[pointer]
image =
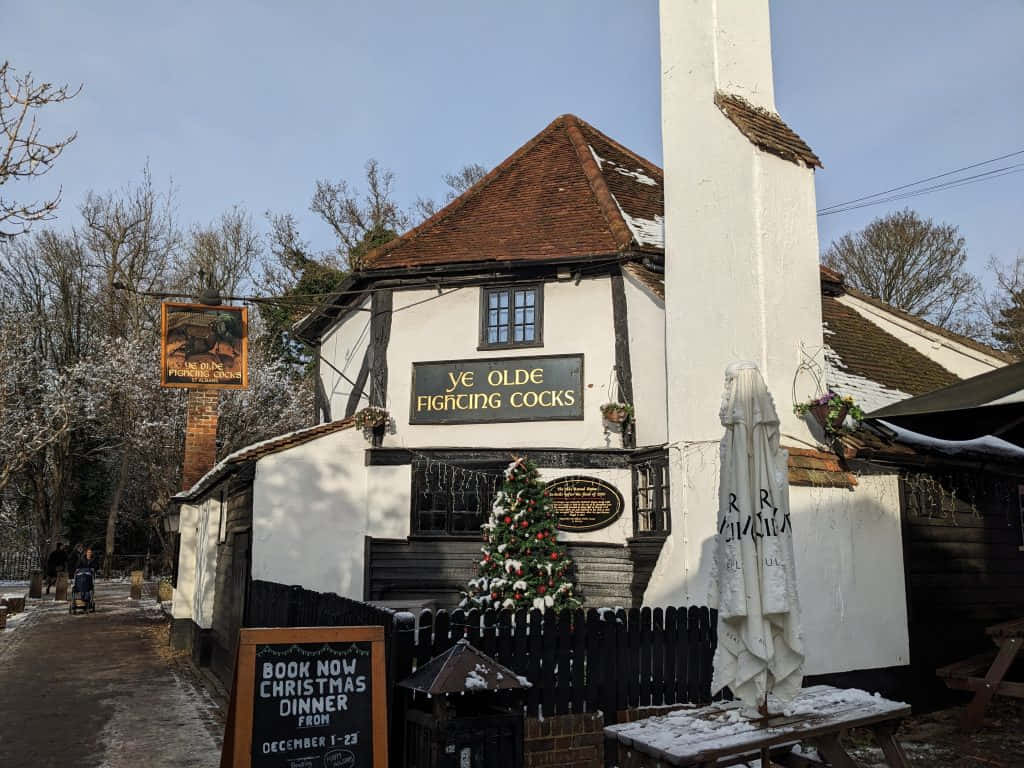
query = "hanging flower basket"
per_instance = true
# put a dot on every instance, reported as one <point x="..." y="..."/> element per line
<point x="830" y="411"/>
<point x="370" y="418"/>
<point x="617" y="413"/>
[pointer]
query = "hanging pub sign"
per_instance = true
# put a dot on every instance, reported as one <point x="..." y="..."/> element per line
<point x="203" y="346"/>
<point x="584" y="503"/>
<point x="547" y="388"/>
<point x="308" y="698"/>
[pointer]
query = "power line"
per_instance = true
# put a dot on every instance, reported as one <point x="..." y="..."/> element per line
<point x="851" y="204"/>
<point x="951" y="184"/>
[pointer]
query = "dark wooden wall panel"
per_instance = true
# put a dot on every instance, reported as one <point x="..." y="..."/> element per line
<point x="233" y="573"/>
<point x="421" y="571"/>
<point x="964" y="568"/>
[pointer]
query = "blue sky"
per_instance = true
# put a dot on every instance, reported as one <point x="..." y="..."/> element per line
<point x="249" y="103"/>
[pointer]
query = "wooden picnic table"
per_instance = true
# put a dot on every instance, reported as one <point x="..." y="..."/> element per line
<point x="984" y="673"/>
<point x="719" y="735"/>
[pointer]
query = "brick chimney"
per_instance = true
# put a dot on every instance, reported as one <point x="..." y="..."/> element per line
<point x="741" y="262"/>
<point x="200" y="435"/>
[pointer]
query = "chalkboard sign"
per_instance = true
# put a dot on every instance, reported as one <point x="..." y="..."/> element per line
<point x="584" y="503"/>
<point x="308" y="698"/>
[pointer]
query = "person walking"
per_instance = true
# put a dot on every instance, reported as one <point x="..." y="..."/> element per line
<point x="57" y="561"/>
<point x="89" y="561"/>
<point x="74" y="558"/>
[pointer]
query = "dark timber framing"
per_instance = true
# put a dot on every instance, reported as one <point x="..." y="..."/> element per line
<point x="623" y="368"/>
<point x="354" y="289"/>
<point x="380" y="335"/>
<point x="359" y="386"/>
<point x="547" y="458"/>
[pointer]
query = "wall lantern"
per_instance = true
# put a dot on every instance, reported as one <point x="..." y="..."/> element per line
<point x="172" y="519"/>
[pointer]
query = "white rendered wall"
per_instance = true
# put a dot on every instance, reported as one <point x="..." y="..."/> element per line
<point x="955" y="357"/>
<point x="207" y="532"/>
<point x="645" y="314"/>
<point x="309" y="515"/>
<point x="849" y="567"/>
<point x="743" y="282"/>
<point x="184" y="592"/>
<point x="577" y="319"/>
<point x="344" y="347"/>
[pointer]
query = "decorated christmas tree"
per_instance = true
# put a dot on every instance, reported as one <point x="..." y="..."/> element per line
<point x="523" y="565"/>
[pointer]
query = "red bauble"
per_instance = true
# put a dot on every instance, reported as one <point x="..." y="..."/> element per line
<point x="540" y="535"/>
<point x="487" y="557"/>
<point x="542" y="589"/>
<point x="494" y="595"/>
<point x="518" y="596"/>
<point x="554" y="555"/>
<point x="551" y="583"/>
<point x="508" y="519"/>
<point x="519" y="571"/>
<point x="525" y="524"/>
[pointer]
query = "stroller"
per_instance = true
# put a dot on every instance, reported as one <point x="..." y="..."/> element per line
<point x="82" y="592"/>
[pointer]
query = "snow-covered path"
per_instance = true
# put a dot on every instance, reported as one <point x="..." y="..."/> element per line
<point x="101" y="690"/>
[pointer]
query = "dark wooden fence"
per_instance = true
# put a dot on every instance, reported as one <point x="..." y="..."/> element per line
<point x="581" y="661"/>
<point x="577" y="661"/>
<point x="17" y="565"/>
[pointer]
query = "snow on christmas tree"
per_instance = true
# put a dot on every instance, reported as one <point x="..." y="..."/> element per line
<point x="523" y="564"/>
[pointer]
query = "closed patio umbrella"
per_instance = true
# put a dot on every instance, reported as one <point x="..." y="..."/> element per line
<point x="754" y="581"/>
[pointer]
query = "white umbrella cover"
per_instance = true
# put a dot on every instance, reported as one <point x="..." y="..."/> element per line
<point x="753" y="583"/>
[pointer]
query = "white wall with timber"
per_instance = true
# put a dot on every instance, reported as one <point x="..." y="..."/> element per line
<point x="577" y="319"/>
<point x="344" y="347"/>
<point x="646" y="318"/>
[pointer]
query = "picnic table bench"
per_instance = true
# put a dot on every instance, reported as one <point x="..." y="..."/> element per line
<point x="719" y="735"/>
<point x="984" y="673"/>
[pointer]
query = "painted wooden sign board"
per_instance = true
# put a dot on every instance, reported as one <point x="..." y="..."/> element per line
<point x="308" y="698"/>
<point x="497" y="389"/>
<point x="584" y="503"/>
<point x="204" y="347"/>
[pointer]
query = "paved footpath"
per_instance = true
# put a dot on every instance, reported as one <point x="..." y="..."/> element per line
<point x="101" y="690"/>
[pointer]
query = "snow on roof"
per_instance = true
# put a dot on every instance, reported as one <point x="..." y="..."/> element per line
<point x="992" y="446"/>
<point x="868" y="394"/>
<point x="257" y="451"/>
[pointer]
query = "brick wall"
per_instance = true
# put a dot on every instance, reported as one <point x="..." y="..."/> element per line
<point x="200" y="435"/>
<point x="566" y="741"/>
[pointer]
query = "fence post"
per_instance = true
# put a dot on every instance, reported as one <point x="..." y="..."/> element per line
<point x="294" y="606"/>
<point x="403" y="627"/>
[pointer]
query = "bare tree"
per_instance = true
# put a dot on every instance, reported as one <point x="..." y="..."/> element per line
<point x="1004" y="306"/>
<point x="911" y="263"/>
<point x="360" y="220"/>
<point x="221" y="255"/>
<point x="23" y="153"/>
<point x="457" y="182"/>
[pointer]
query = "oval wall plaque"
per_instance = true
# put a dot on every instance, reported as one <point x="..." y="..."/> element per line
<point x="584" y="503"/>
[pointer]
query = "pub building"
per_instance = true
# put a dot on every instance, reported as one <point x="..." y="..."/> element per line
<point x="577" y="274"/>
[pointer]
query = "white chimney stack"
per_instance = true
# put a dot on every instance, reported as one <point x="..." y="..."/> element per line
<point x="741" y="262"/>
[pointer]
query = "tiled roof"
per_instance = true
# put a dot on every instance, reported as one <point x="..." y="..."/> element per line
<point x="569" y="192"/>
<point x="766" y="130"/>
<point x="937" y="329"/>
<point x="860" y="350"/>
<point x="653" y="281"/>
<point x="231" y="463"/>
<point x="818" y="468"/>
